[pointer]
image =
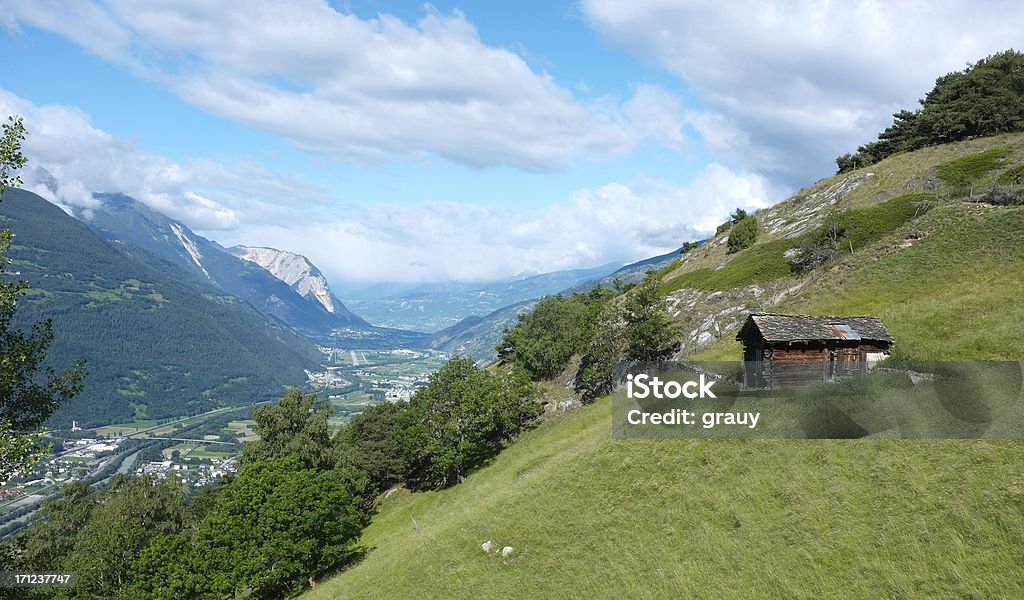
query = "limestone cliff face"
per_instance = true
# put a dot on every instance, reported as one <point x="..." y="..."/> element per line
<point x="295" y="270"/>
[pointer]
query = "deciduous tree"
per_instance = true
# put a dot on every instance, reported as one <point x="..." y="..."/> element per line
<point x="29" y="392"/>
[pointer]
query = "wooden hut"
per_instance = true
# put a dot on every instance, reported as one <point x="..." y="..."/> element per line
<point x="790" y="350"/>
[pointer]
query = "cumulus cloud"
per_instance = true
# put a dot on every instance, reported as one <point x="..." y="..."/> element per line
<point x="443" y="241"/>
<point x="245" y="202"/>
<point x="790" y="85"/>
<point x="70" y="159"/>
<point x="360" y="89"/>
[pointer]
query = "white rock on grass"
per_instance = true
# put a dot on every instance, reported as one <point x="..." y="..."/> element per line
<point x="506" y="551"/>
<point x="489" y="546"/>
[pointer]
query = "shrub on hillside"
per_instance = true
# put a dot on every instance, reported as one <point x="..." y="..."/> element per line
<point x="688" y="246"/>
<point x="1014" y="176"/>
<point x="743" y="235"/>
<point x="544" y="340"/>
<point x="462" y="419"/>
<point x="648" y="330"/>
<point x="637" y="329"/>
<point x="851" y="229"/>
<point x="963" y="173"/>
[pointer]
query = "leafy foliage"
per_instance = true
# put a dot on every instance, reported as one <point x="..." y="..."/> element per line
<point x="637" y="329"/>
<point x="461" y="419"/>
<point x="98" y="534"/>
<point x="271" y="529"/>
<point x="295" y="427"/>
<point x="743" y="235"/>
<point x="648" y="331"/>
<point x="595" y="377"/>
<point x="986" y="98"/>
<point x="19" y="452"/>
<point x="127" y="517"/>
<point x="11" y="158"/>
<point x="51" y="539"/>
<point x="371" y="444"/>
<point x="278" y="524"/>
<point x="25" y="401"/>
<point x="557" y="328"/>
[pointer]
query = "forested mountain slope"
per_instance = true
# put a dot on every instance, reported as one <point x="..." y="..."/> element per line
<point x="155" y="342"/>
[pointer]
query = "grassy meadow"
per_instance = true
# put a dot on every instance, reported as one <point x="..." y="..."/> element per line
<point x="591" y="516"/>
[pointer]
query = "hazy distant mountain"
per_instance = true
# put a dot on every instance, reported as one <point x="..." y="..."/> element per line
<point x="477" y="337"/>
<point x="435" y="306"/>
<point x="133" y="226"/>
<point x="631" y="273"/>
<point x="158" y="341"/>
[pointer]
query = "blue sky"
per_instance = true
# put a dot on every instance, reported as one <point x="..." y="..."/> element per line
<point x="396" y="141"/>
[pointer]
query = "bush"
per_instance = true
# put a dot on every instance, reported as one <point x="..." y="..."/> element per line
<point x="743" y="235"/>
<point x="1014" y="176"/>
<point x="648" y="331"/>
<point x="820" y="246"/>
<point x="857" y="227"/>
<point x="688" y="246"/>
<point x="636" y="329"/>
<point x="961" y="173"/>
<point x="558" y="327"/>
<point x="763" y="262"/>
<point x="461" y="419"/>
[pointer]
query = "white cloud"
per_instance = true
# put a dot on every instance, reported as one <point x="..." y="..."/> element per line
<point x="204" y="194"/>
<point x="442" y="241"/>
<point x="245" y="202"/>
<point x="361" y="89"/>
<point x="789" y="85"/>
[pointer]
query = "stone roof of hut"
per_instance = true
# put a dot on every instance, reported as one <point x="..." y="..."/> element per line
<point x="793" y="328"/>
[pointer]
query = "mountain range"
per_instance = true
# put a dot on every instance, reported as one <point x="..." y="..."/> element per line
<point x="172" y="323"/>
<point x="477" y="336"/>
<point x="159" y="339"/>
<point x="296" y="295"/>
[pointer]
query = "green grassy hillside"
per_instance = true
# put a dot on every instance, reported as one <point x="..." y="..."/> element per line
<point x="949" y="285"/>
<point x="591" y="516"/>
